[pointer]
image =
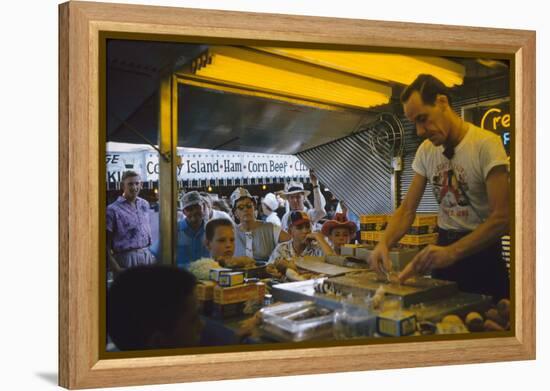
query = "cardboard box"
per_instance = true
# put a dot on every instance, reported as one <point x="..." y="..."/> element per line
<point x="234" y="301"/>
<point x="231" y="279"/>
<point x="427" y="219"/>
<point x="239" y="293"/>
<point x="377" y="219"/>
<point x="371" y="236"/>
<point x="373" y="222"/>
<point x="396" y="323"/>
<point x="214" y="274"/>
<point x="422" y="230"/>
<point x="419" y="240"/>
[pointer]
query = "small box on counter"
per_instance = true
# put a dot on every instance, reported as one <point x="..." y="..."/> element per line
<point x="214" y="274"/>
<point x="231" y="279"/>
<point x="373" y="222"/>
<point x="396" y="323"/>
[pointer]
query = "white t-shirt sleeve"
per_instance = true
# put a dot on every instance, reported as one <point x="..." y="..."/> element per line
<point x="492" y="154"/>
<point x="419" y="162"/>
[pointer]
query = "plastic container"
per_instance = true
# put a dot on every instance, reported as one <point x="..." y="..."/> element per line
<point x="354" y="321"/>
<point x="298" y="321"/>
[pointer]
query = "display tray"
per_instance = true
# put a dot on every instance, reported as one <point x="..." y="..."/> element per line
<point x="413" y="291"/>
<point x="459" y="303"/>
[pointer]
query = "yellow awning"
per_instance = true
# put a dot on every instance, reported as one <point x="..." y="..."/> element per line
<point x="397" y="68"/>
<point x="274" y="74"/>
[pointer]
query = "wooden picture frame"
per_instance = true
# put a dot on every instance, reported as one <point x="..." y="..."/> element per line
<point x="80" y="365"/>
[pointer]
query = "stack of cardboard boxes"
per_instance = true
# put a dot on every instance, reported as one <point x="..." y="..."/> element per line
<point x="372" y="228"/>
<point x="421" y="232"/>
<point x="227" y="295"/>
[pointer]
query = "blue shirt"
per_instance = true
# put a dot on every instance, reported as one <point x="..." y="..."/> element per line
<point x="190" y="245"/>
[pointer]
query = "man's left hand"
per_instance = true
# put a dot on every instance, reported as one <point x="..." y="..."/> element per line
<point x="431" y="257"/>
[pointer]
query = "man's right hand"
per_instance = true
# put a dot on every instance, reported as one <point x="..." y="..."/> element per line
<point x="379" y="259"/>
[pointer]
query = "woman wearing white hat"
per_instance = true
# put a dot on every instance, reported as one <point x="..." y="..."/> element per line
<point x="269" y="206"/>
<point x="253" y="238"/>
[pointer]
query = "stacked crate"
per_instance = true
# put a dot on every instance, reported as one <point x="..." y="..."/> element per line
<point x="372" y="228"/>
<point x="423" y="231"/>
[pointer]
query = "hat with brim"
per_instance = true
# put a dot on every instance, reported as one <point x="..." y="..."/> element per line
<point x="340" y="221"/>
<point x="238" y="193"/>
<point x="294" y="188"/>
<point x="191" y="198"/>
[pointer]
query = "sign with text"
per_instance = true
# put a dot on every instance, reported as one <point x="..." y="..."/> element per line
<point x="208" y="165"/>
<point x="495" y="117"/>
<point x="227" y="165"/>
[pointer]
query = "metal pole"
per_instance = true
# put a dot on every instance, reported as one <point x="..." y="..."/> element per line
<point x="167" y="171"/>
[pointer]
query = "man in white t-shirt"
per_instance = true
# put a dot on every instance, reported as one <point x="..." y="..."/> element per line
<point x="468" y="170"/>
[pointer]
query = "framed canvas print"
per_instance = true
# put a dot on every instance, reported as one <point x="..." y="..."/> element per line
<point x="249" y="195"/>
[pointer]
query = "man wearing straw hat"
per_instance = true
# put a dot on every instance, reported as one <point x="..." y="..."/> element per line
<point x="295" y="195"/>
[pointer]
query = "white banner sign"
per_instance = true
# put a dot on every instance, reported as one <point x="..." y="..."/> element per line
<point x="208" y="165"/>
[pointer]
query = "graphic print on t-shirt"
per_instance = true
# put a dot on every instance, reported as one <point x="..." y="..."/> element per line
<point x="450" y="185"/>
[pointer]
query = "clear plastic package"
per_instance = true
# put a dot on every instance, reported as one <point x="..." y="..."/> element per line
<point x="298" y="321"/>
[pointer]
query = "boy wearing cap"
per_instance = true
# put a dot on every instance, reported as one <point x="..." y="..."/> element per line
<point x="296" y="195"/>
<point x="303" y="242"/>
